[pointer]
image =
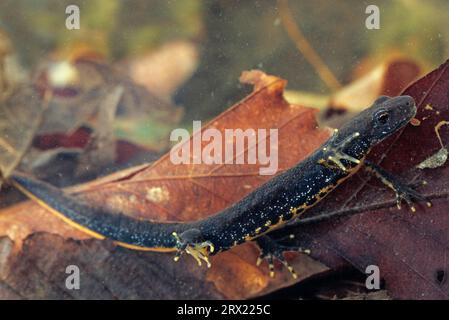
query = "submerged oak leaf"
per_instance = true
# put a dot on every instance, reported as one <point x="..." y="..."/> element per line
<point x="164" y="191"/>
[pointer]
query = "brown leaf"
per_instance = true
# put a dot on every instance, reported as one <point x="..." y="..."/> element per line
<point x="20" y="116"/>
<point x="164" y="191"/>
<point x="39" y="272"/>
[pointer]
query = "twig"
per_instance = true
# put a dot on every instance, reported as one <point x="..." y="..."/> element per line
<point x="305" y="47"/>
<point x="354" y="210"/>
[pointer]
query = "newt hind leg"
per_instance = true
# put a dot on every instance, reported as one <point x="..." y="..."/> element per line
<point x="271" y="250"/>
<point x="192" y="243"/>
<point x="403" y="192"/>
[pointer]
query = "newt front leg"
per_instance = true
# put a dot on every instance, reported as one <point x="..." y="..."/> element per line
<point x="402" y="191"/>
<point x="335" y="153"/>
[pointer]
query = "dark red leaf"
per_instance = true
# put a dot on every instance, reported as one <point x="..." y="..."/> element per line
<point x="411" y="250"/>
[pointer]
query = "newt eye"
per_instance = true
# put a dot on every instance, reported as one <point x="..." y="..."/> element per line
<point x="382" y="117"/>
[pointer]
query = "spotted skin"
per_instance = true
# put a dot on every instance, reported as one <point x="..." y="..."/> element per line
<point x="283" y="198"/>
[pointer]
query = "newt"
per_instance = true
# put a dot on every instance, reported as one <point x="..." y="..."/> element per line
<point x="285" y="197"/>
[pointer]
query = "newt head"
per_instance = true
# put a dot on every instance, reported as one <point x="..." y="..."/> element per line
<point x="383" y="118"/>
<point x="390" y="115"/>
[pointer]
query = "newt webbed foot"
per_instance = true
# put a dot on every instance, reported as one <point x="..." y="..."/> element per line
<point x="336" y="154"/>
<point x="271" y="250"/>
<point x="402" y="191"/>
<point x="407" y="194"/>
<point x="192" y="243"/>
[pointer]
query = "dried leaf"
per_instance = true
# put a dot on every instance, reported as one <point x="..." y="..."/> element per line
<point x="82" y="85"/>
<point x="164" y="191"/>
<point x="20" y="116"/>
